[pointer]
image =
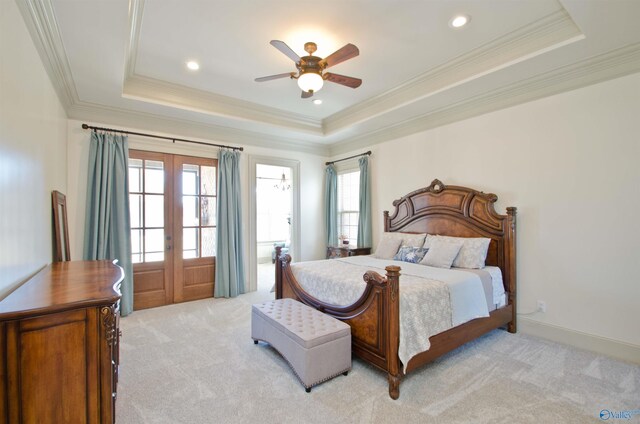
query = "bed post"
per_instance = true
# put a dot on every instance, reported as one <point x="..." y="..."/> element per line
<point x="510" y="265"/>
<point x="278" y="273"/>
<point x="393" y="309"/>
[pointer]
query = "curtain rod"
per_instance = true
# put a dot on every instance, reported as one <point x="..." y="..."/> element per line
<point x="174" y="139"/>
<point x="350" y="157"/>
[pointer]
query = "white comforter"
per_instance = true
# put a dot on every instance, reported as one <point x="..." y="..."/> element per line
<point x="432" y="300"/>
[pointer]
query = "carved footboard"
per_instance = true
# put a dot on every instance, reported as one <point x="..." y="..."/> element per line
<point x="374" y="318"/>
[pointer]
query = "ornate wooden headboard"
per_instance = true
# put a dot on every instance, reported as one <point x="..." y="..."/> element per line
<point x="460" y="212"/>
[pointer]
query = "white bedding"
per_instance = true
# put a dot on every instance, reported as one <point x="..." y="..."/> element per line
<point x="432" y="300"/>
<point x="499" y="295"/>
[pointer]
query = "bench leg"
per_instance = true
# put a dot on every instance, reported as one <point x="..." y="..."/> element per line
<point x="308" y="389"/>
<point x="346" y="373"/>
<point x="255" y="342"/>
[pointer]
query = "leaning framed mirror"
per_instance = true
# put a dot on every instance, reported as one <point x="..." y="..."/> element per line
<point x="60" y="227"/>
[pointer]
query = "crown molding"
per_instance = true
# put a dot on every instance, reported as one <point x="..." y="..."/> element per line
<point x="136" y="10"/>
<point x="160" y="92"/>
<point x="548" y="33"/>
<point x="610" y="65"/>
<point x="186" y="128"/>
<point x="41" y="23"/>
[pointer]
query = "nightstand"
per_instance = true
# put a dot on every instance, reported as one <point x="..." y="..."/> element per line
<point x="346" y="250"/>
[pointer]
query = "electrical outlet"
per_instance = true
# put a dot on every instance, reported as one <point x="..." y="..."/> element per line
<point x="542" y="306"/>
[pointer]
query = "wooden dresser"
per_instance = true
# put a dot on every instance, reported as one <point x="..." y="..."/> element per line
<point x="59" y="345"/>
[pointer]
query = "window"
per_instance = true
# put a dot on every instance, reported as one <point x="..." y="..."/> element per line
<point x="348" y="205"/>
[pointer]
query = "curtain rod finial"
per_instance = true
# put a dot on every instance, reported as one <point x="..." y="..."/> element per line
<point x="85" y="126"/>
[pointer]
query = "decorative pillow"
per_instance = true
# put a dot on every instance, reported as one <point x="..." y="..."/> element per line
<point x="387" y="246"/>
<point x="428" y="239"/>
<point x="412" y="240"/>
<point x="410" y="254"/>
<point x="403" y="239"/>
<point x="407" y="239"/>
<point x="441" y="253"/>
<point x="472" y="254"/>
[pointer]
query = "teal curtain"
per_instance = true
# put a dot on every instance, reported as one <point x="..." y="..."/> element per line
<point x="107" y="230"/>
<point x="364" y="218"/>
<point x="230" y="280"/>
<point x="331" y="205"/>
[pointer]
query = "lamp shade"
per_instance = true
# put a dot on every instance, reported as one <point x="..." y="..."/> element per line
<point x="310" y="82"/>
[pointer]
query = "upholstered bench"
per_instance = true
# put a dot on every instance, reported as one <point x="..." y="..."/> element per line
<point x="316" y="346"/>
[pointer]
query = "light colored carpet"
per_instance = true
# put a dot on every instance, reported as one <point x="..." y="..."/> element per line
<point x="196" y="363"/>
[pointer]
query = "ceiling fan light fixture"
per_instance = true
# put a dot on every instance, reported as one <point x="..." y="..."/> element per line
<point x="310" y="82"/>
<point x="310" y="68"/>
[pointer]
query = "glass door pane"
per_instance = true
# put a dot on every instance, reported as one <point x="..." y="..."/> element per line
<point x="198" y="211"/>
<point x="147" y="205"/>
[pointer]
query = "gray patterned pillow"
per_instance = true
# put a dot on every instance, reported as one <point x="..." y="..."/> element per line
<point x="402" y="239"/>
<point x="407" y="239"/>
<point x="441" y="253"/>
<point x="413" y="240"/>
<point x="473" y="252"/>
<point x="387" y="246"/>
<point x="410" y="254"/>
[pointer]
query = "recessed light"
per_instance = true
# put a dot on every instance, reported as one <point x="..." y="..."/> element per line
<point x="193" y="65"/>
<point x="459" y="21"/>
<point x="317" y="102"/>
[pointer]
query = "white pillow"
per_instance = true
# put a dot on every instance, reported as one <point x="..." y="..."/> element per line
<point x="472" y="254"/>
<point x="412" y="240"/>
<point x="387" y="246"/>
<point x="404" y="239"/>
<point x="407" y="239"/>
<point x="441" y="253"/>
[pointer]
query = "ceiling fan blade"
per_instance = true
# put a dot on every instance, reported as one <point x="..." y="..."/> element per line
<point x="340" y="55"/>
<point x="306" y="95"/>
<point x="272" y="77"/>
<point x="282" y="46"/>
<point x="344" y="80"/>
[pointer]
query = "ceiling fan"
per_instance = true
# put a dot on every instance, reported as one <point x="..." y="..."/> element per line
<point x="310" y="74"/>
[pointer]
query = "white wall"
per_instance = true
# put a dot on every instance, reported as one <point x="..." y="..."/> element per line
<point x="571" y="165"/>
<point x="311" y="184"/>
<point x="33" y="159"/>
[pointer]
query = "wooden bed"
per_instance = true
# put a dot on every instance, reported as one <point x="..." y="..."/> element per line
<point x="374" y="318"/>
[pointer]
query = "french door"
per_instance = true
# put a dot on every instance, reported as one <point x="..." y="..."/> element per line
<point x="173" y="227"/>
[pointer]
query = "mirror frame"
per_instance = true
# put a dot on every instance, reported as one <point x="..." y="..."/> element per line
<point x="60" y="227"/>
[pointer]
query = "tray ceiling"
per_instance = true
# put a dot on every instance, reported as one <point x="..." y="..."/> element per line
<point x="123" y="63"/>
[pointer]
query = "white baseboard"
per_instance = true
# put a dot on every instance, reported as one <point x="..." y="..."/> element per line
<point x="614" y="348"/>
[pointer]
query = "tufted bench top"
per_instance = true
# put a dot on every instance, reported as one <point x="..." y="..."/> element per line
<point x="308" y="326"/>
